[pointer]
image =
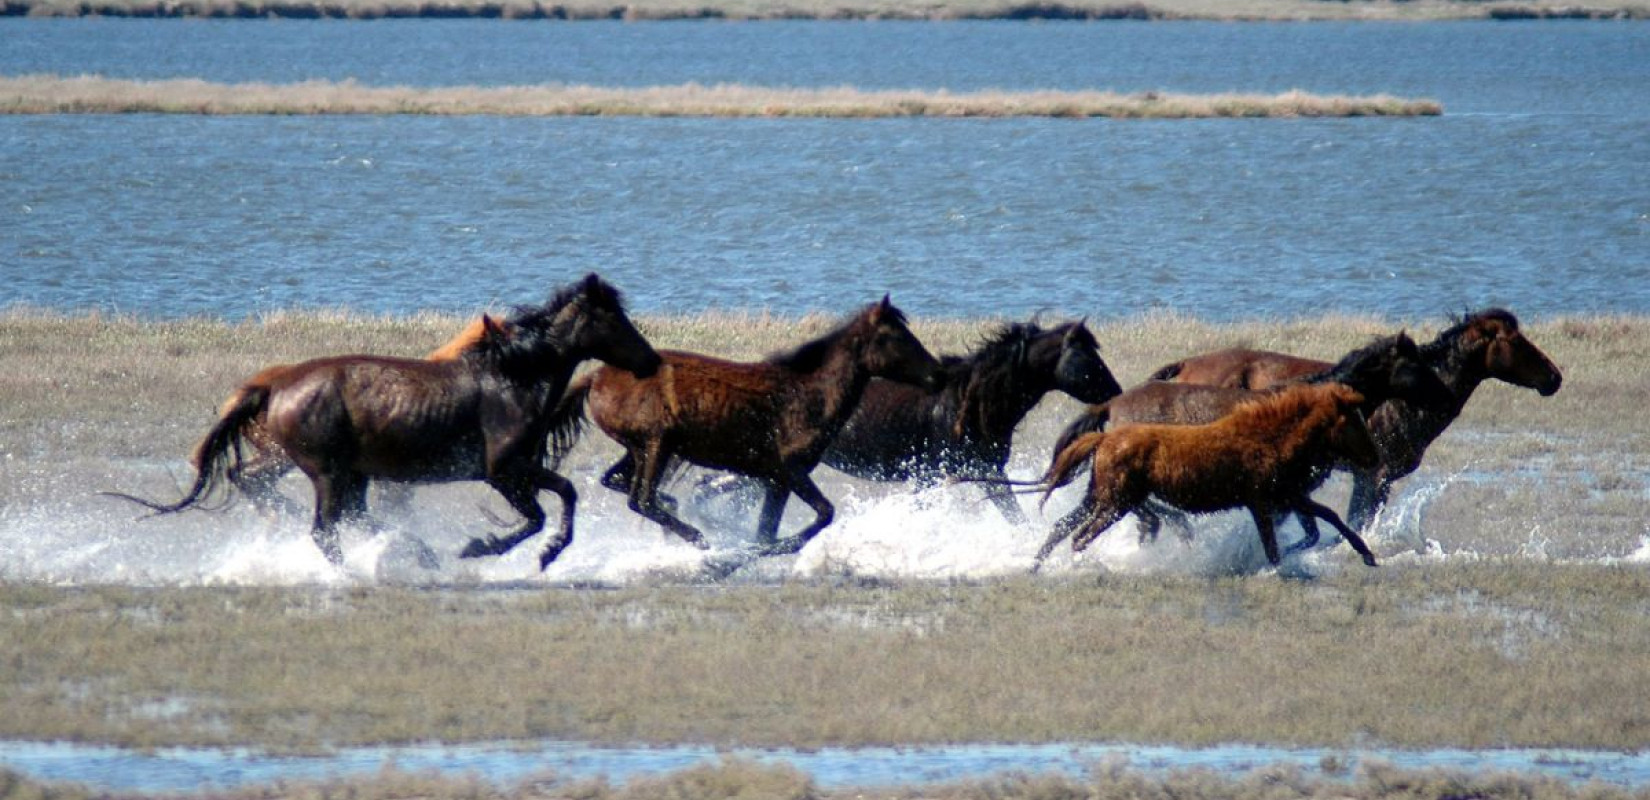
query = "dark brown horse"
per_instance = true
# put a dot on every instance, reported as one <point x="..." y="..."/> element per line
<point x="1477" y="347"/>
<point x="485" y="415"/>
<point x="1388" y="367"/>
<point x="769" y="420"/>
<point x="1262" y="456"/>
<point x="259" y="472"/>
<point x="965" y="428"/>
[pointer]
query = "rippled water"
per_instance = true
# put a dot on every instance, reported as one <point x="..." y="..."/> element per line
<point x="1528" y="193"/>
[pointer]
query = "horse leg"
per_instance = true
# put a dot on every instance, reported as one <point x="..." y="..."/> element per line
<point x="1370" y="491"/>
<point x="646" y="500"/>
<point x="1267" y="528"/>
<point x="619" y="476"/>
<point x="1310" y="540"/>
<point x="569" y="499"/>
<point x="1063" y="528"/>
<point x="1306" y="506"/>
<point x="257" y="478"/>
<point x="808" y="492"/>
<point x="521" y="492"/>
<point x="774" y="497"/>
<point x="337" y="496"/>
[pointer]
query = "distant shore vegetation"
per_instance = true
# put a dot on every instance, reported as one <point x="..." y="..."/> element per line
<point x="50" y="94"/>
<point x="644" y="10"/>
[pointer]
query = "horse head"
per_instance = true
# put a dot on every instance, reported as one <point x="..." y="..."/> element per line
<point x="892" y="351"/>
<point x="1080" y="372"/>
<point x="1349" y="436"/>
<point x="590" y="320"/>
<point x="1508" y="355"/>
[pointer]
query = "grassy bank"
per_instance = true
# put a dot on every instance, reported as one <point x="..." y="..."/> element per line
<point x="642" y="10"/>
<point x="45" y="94"/>
<point x="1476" y="655"/>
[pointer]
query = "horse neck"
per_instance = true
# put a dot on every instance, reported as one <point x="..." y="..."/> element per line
<point x="1301" y="439"/>
<point x="833" y="388"/>
<point x="1460" y="370"/>
<point x="991" y="402"/>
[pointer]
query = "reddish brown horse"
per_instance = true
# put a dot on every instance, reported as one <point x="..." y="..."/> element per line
<point x="1263" y="456"/>
<point x="1389" y="367"/>
<point x="485" y="415"/>
<point x="1477" y="347"/>
<point x="770" y="420"/>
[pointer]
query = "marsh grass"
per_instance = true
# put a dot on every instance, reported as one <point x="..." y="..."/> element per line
<point x="1476" y="655"/>
<point x="47" y="94"/>
<point x="640" y="10"/>
<point x="1498" y="650"/>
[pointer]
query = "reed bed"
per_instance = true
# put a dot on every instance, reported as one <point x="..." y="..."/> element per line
<point x="653" y="10"/>
<point x="49" y="94"/>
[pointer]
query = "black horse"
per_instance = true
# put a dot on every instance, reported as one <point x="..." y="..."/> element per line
<point x="965" y="428"/>
<point x="486" y="415"/>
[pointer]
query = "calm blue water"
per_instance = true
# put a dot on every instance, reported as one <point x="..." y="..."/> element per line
<point x="1530" y="192"/>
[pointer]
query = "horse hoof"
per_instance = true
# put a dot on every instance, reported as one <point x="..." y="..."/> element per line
<point x="549" y="555"/>
<point x="478" y="548"/>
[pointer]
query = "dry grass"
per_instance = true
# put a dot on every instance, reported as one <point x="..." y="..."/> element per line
<point x="49" y="94"/>
<point x="638" y="10"/>
<point x="1478" y="655"/>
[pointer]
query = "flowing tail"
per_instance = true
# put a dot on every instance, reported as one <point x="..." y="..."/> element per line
<point x="567" y="419"/>
<point x="1092" y="420"/>
<point x="217" y="454"/>
<point x="1168" y="372"/>
<point x="1069" y="461"/>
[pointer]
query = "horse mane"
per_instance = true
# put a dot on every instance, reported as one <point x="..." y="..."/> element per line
<point x="458" y="345"/>
<point x="1450" y="339"/>
<point x="1343" y="370"/>
<point x="810" y="355"/>
<point x="530" y="325"/>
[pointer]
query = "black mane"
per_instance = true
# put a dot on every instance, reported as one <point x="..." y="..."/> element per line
<point x="1344" y="369"/>
<point x="810" y="355"/>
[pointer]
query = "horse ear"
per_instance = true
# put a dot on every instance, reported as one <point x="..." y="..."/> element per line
<point x="591" y="283"/>
<point x="491" y="328"/>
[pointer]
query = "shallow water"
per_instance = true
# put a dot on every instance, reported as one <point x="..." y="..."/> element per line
<point x="180" y="769"/>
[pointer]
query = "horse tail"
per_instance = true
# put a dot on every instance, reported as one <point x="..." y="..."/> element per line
<point x="218" y="453"/>
<point x="1168" y="372"/>
<point x="567" y="419"/>
<point x="1092" y="420"/>
<point x="1069" y="461"/>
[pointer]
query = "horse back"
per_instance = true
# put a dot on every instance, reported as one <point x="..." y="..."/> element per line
<point x="1242" y="368"/>
<point x="1175" y="403"/>
<point x="690" y="395"/>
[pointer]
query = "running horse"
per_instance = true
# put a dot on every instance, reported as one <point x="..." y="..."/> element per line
<point x="1476" y="347"/>
<point x="770" y="420"/>
<point x="485" y="415"/>
<point x="1389" y="367"/>
<point x="965" y="428"/>
<point x="1263" y="456"/>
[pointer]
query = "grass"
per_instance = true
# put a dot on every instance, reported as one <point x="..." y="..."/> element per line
<point x="1502" y="650"/>
<point x="639" y="10"/>
<point x="47" y="94"/>
<point x="1478" y="655"/>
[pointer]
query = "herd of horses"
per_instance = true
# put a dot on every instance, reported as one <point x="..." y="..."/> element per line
<point x="1232" y="429"/>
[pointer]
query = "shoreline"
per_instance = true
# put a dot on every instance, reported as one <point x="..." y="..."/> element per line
<point x="50" y="94"/>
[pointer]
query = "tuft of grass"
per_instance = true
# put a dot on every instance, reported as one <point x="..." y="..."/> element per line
<point x="50" y="94"/>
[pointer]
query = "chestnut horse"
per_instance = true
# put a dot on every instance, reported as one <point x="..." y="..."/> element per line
<point x="1263" y="456"/>
<point x="771" y="420"/>
<point x="485" y="415"/>
<point x="902" y="432"/>
<point x="1388" y="367"/>
<point x="1477" y="347"/>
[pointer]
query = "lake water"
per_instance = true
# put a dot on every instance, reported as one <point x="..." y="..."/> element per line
<point x="1529" y="192"/>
